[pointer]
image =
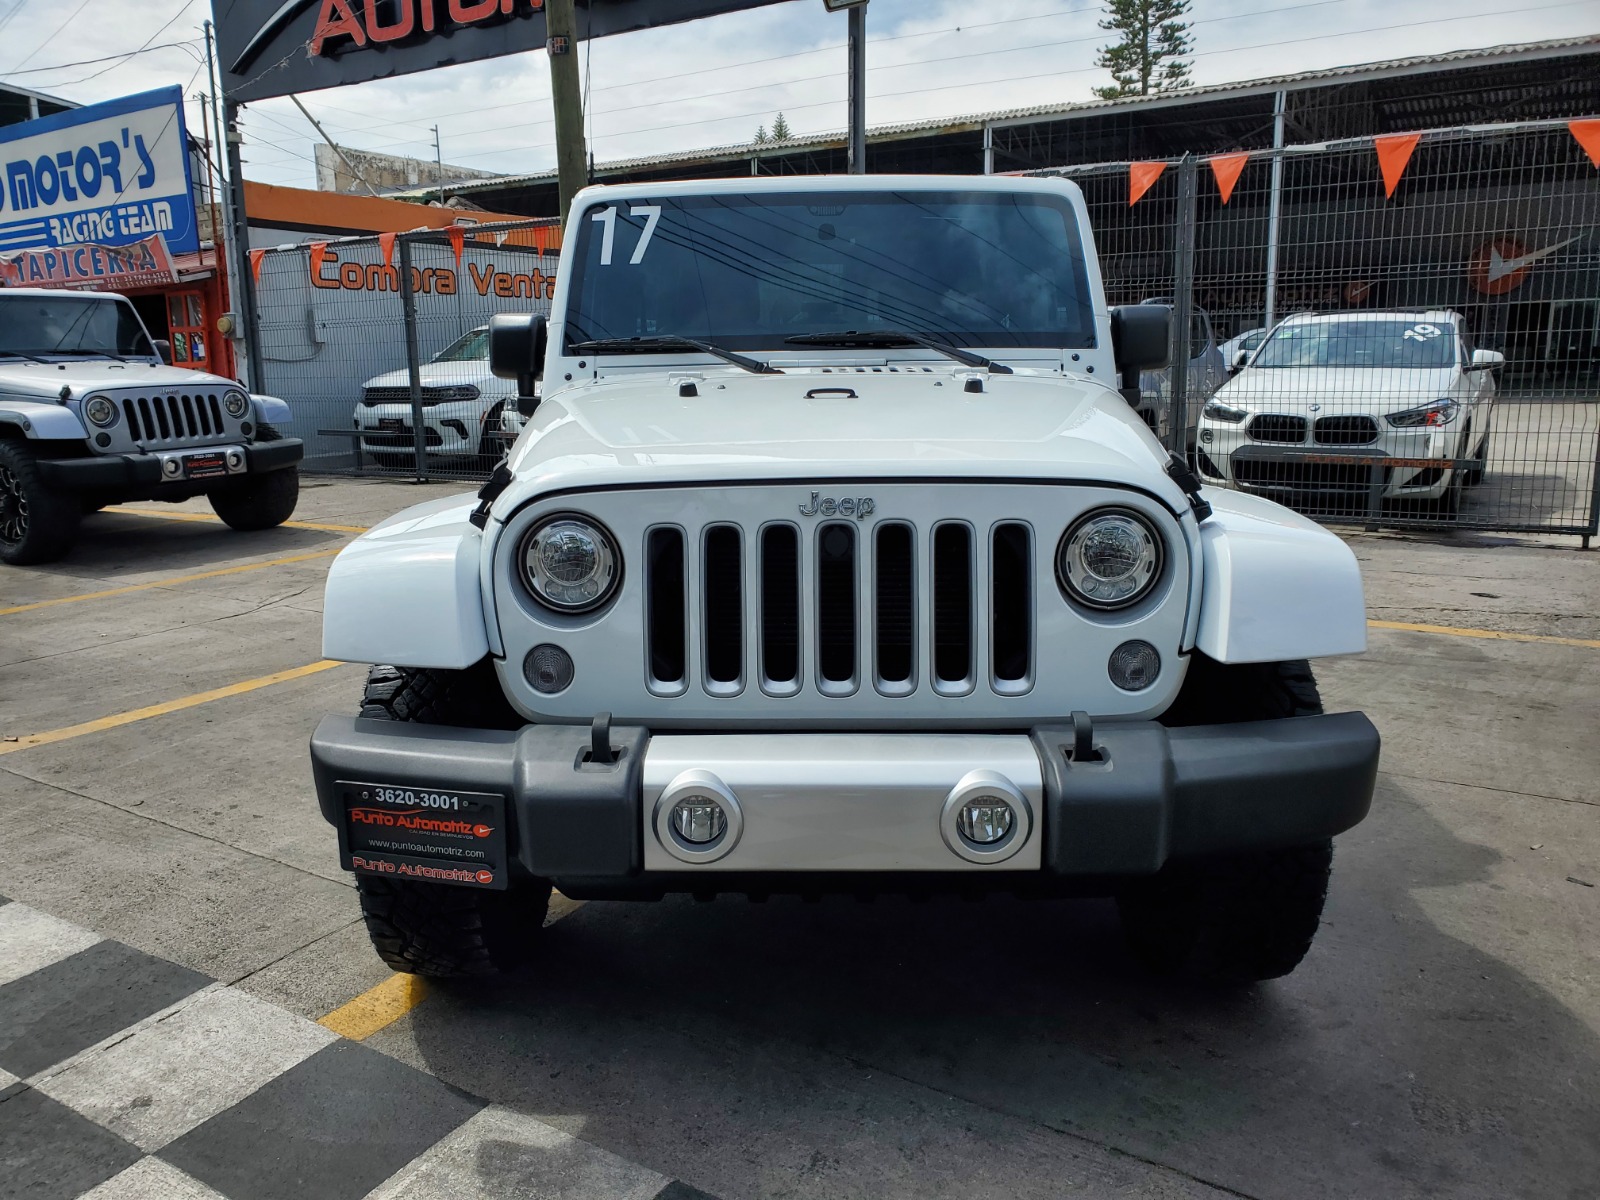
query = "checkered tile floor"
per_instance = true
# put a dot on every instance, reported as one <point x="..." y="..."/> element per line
<point x="125" y="1077"/>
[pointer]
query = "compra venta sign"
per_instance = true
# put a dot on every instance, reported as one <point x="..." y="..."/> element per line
<point x="484" y="279"/>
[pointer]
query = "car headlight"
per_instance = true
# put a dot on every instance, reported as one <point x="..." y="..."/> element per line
<point x="1440" y="412"/>
<point x="235" y="403"/>
<point x="571" y="563"/>
<point x="1109" y="558"/>
<point x="464" y="391"/>
<point x="100" y="411"/>
<point x="1216" y="410"/>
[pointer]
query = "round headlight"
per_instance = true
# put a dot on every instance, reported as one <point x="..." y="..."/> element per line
<point x="571" y="564"/>
<point x="236" y="403"/>
<point x="100" y="411"/>
<point x="1110" y="558"/>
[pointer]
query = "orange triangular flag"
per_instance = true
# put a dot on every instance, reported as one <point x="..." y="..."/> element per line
<point x="1588" y="135"/>
<point x="541" y="240"/>
<point x="1141" y="176"/>
<point x="1227" y="168"/>
<point x="458" y="238"/>
<point x="319" y="251"/>
<point x="1394" y="153"/>
<point x="255" y="264"/>
<point x="386" y="244"/>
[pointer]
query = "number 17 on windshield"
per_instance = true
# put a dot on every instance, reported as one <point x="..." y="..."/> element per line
<point x="607" y="218"/>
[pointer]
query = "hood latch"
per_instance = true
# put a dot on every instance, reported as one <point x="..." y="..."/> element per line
<point x="499" y="480"/>
<point x="1183" y="475"/>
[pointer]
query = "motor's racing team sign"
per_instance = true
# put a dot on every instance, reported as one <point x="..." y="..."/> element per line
<point x="97" y="193"/>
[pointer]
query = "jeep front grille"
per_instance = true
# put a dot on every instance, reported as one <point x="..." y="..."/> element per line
<point x="841" y="607"/>
<point x="174" y="420"/>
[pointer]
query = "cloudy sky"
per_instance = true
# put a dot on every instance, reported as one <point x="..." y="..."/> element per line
<point x="713" y="82"/>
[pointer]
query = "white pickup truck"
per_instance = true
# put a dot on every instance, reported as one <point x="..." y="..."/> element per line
<point x="90" y="415"/>
<point x="833" y="559"/>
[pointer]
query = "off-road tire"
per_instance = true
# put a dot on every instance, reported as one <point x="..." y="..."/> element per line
<point x="436" y="929"/>
<point x="258" y="502"/>
<point x="1237" y="918"/>
<point x="37" y="525"/>
<point x="441" y="931"/>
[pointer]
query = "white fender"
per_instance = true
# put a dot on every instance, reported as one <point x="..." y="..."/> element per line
<point x="1276" y="585"/>
<point x="406" y="592"/>
<point x="273" y="411"/>
<point x="40" y="419"/>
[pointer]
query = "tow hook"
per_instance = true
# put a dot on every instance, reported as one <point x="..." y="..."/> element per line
<point x="1183" y="475"/>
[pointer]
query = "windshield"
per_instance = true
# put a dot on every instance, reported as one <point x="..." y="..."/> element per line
<point x="746" y="272"/>
<point x="70" y="324"/>
<point x="472" y="348"/>
<point x="1401" y="342"/>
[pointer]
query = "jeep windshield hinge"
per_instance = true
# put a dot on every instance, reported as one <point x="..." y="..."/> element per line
<point x="499" y="480"/>
<point x="1183" y="475"/>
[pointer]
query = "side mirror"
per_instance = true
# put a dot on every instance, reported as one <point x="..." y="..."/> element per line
<point x="164" y="349"/>
<point x="1240" y="357"/>
<point x="1487" y="360"/>
<point x="1141" y="337"/>
<point x="517" y="344"/>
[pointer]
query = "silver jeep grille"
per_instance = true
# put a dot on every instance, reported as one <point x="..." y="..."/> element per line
<point x="176" y="419"/>
<point x="840" y="607"/>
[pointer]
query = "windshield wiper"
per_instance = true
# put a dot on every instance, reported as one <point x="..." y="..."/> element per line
<point x="897" y="337"/>
<point x="22" y="354"/>
<point x="671" y="341"/>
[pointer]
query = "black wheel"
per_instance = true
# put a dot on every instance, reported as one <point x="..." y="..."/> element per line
<point x="1236" y="918"/>
<point x="259" y="501"/>
<point x="436" y="929"/>
<point x="1475" y="476"/>
<point x="37" y="525"/>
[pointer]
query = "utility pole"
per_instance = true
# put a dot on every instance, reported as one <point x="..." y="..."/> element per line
<point x="567" y="99"/>
<point x="858" y="90"/>
<point x="438" y="158"/>
<point x="236" y="241"/>
<point x="333" y="145"/>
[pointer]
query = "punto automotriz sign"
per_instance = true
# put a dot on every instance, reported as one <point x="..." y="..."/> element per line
<point x="113" y="174"/>
<point x="275" y="47"/>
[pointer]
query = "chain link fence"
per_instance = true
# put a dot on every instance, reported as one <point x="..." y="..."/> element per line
<point x="380" y="345"/>
<point x="1436" y="352"/>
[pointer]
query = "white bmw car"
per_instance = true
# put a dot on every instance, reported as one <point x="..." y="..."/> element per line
<point x="1328" y="393"/>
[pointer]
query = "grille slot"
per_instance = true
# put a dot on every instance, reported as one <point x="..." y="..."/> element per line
<point x="836" y="606"/>
<point x="1345" y="431"/>
<point x="1011" y="605"/>
<point x="895" y="600"/>
<point x="780" y="606"/>
<point x="1275" y="427"/>
<point x="952" y="606"/>
<point x="666" y="605"/>
<point x="722" y="605"/>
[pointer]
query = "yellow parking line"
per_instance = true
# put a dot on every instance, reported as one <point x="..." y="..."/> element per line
<point x="117" y="720"/>
<point x="207" y="518"/>
<point x="1497" y="635"/>
<point x="165" y="583"/>
<point x="379" y="1007"/>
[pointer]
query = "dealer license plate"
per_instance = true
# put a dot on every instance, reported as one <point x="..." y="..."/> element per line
<point x="204" y="466"/>
<point x="425" y="834"/>
<point x="391" y="425"/>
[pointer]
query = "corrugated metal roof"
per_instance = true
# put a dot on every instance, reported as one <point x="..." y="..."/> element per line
<point x="1558" y="48"/>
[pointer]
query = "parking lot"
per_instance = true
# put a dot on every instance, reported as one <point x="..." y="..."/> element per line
<point x="156" y="693"/>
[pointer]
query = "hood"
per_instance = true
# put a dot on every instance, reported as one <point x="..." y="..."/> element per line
<point x="435" y="374"/>
<point x="1336" y="390"/>
<point x="619" y="432"/>
<point x="45" y="380"/>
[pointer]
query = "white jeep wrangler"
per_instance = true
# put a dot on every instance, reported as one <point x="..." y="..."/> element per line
<point x="90" y="416"/>
<point x="833" y="560"/>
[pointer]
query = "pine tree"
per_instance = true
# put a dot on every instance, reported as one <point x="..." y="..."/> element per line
<point x="762" y="136"/>
<point x="1150" y="56"/>
<point x="780" y="130"/>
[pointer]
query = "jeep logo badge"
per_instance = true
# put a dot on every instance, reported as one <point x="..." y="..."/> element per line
<point x="849" y="506"/>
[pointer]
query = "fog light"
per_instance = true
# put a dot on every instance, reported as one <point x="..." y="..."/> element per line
<point x="171" y="466"/>
<point x="549" y="669"/>
<point x="1134" y="666"/>
<point x="699" y="820"/>
<point x="235" y="460"/>
<point x="985" y="820"/>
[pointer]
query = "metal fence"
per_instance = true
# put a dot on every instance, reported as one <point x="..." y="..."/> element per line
<point x="379" y="345"/>
<point x="1351" y="416"/>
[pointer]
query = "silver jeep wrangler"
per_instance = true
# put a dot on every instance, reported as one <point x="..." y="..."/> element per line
<point x="90" y="415"/>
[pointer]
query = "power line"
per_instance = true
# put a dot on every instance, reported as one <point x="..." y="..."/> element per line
<point x="89" y="62"/>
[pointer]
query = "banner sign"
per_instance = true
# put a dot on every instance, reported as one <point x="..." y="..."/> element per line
<point x="108" y="268"/>
<point x="108" y="174"/>
<point x="275" y="47"/>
